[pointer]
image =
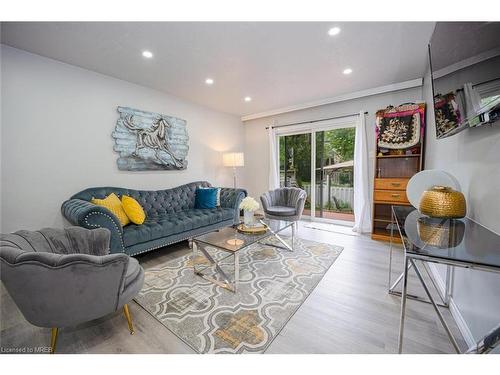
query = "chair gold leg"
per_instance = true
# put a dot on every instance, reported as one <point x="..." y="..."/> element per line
<point x="53" y="339"/>
<point x="129" y="319"/>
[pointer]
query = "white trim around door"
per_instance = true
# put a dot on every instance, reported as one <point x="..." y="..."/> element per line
<point x="312" y="129"/>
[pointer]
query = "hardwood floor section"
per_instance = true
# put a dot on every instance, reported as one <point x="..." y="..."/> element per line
<point x="348" y="312"/>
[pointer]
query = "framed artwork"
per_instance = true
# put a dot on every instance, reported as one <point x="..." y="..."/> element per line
<point x="150" y="141"/>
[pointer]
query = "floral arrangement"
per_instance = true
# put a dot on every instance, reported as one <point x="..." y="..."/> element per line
<point x="249" y="204"/>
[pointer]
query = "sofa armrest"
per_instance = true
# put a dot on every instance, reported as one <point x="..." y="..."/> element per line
<point x="88" y="215"/>
<point x="266" y="201"/>
<point x="299" y="206"/>
<point x="231" y="198"/>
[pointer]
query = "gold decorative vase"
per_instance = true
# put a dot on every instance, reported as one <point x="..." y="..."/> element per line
<point x="443" y="202"/>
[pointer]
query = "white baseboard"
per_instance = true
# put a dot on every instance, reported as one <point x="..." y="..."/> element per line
<point x="455" y="312"/>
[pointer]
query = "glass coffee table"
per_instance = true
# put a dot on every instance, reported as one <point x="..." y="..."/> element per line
<point x="230" y="242"/>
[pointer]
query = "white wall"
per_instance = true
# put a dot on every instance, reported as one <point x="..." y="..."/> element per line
<point x="256" y="143"/>
<point x="473" y="157"/>
<point x="56" y="139"/>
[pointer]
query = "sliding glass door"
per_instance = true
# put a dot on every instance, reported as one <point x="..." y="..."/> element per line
<point x="295" y="163"/>
<point x="334" y="193"/>
<point x="321" y="161"/>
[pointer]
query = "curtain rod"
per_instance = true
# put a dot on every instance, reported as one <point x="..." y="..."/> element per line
<point x="312" y="121"/>
<point x="481" y="83"/>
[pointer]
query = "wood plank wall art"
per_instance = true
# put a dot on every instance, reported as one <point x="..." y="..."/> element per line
<point x="150" y="141"/>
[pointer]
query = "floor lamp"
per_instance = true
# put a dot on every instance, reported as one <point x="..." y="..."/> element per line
<point x="233" y="159"/>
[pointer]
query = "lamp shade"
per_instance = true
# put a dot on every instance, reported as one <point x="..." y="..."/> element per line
<point x="233" y="159"/>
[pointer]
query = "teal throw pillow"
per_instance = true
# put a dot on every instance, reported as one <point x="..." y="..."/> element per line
<point x="205" y="198"/>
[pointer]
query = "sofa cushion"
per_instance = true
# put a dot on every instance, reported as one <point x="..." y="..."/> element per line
<point x="205" y="198"/>
<point x="217" y="200"/>
<point x="133" y="210"/>
<point x="281" y="210"/>
<point x="155" y="227"/>
<point x="204" y="217"/>
<point x="113" y="203"/>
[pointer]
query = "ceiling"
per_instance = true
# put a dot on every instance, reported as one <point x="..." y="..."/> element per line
<point x="456" y="41"/>
<point x="278" y="64"/>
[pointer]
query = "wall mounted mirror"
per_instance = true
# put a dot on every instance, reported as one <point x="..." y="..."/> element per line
<point x="465" y="66"/>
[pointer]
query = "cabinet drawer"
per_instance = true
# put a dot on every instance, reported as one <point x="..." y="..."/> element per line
<point x="391" y="183"/>
<point x="390" y="196"/>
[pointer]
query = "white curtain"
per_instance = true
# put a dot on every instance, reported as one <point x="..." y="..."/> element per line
<point x="362" y="206"/>
<point x="472" y="101"/>
<point x="274" y="181"/>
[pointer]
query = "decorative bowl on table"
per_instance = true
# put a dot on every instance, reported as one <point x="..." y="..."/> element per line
<point x="256" y="228"/>
<point x="443" y="202"/>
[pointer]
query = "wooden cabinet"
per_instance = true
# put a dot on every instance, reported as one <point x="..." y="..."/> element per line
<point x="393" y="170"/>
<point x="391" y="183"/>
<point x="390" y="196"/>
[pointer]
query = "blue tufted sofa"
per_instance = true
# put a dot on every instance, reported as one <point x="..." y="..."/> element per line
<point x="170" y="215"/>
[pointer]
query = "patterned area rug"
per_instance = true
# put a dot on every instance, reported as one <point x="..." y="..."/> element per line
<point x="273" y="284"/>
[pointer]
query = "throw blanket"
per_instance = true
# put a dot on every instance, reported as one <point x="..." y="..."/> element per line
<point x="400" y="127"/>
<point x="447" y="113"/>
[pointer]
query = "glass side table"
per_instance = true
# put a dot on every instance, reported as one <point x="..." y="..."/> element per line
<point x="451" y="242"/>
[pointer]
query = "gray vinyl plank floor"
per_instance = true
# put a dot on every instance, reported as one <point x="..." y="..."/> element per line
<point x="349" y="311"/>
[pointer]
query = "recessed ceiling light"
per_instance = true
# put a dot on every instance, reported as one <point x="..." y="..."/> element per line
<point x="147" y="54"/>
<point x="334" y="31"/>
<point x="209" y="81"/>
<point x="347" y="71"/>
<point x="248" y="99"/>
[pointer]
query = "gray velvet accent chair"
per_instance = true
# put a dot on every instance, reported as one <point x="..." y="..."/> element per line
<point x="285" y="203"/>
<point x="65" y="277"/>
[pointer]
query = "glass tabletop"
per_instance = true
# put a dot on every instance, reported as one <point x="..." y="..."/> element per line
<point x="223" y="238"/>
<point x="461" y="240"/>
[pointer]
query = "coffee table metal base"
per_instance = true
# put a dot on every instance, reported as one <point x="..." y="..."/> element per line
<point x="226" y="282"/>
<point x="278" y="237"/>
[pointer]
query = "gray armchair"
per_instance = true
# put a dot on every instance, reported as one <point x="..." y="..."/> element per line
<point x="64" y="277"/>
<point x="284" y="203"/>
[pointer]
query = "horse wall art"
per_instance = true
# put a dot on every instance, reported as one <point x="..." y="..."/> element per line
<point x="150" y="141"/>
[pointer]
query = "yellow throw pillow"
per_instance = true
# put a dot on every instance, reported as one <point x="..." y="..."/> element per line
<point x="133" y="210"/>
<point x="113" y="203"/>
